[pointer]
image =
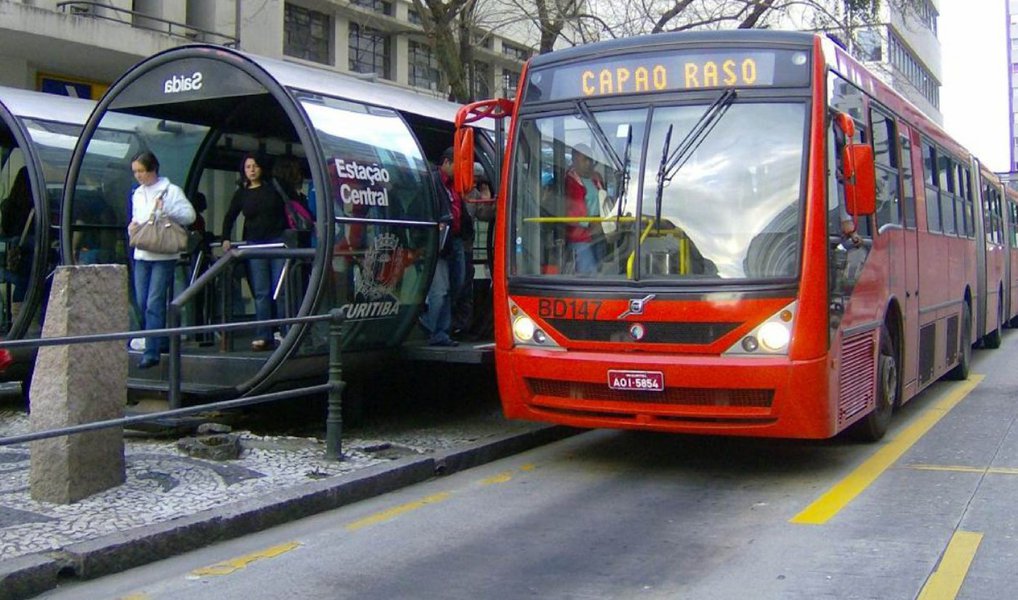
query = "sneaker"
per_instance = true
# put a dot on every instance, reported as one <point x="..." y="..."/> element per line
<point x="446" y="343"/>
<point x="148" y="362"/>
<point x="137" y="344"/>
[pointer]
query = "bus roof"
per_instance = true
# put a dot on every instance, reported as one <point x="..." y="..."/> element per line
<point x="649" y="43"/>
<point x="27" y="104"/>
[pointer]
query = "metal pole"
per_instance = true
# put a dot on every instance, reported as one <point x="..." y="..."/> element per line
<point x="334" y="419"/>
<point x="173" y="316"/>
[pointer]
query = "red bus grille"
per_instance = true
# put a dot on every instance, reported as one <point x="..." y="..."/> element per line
<point x="671" y="395"/>
<point x="857" y="377"/>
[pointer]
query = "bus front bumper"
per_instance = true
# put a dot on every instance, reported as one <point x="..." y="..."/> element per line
<point x="767" y="396"/>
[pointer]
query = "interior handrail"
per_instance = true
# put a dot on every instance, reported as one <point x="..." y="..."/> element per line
<point x="225" y="261"/>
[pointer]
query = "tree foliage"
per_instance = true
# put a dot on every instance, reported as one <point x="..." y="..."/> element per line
<point x="453" y="26"/>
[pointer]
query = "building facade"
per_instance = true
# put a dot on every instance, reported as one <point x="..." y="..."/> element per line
<point x="902" y="48"/>
<point x="79" y="48"/>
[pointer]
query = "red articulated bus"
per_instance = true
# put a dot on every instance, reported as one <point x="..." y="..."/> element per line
<point x="733" y="232"/>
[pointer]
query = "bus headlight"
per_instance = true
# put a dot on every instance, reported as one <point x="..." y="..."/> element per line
<point x="774" y="336"/>
<point x="523" y="329"/>
<point x="527" y="331"/>
<point x="771" y="337"/>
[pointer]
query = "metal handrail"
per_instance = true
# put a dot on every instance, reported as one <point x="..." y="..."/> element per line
<point x="224" y="263"/>
<point x="92" y="10"/>
<point x="335" y="386"/>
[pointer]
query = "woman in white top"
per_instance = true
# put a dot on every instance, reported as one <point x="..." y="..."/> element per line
<point x="153" y="273"/>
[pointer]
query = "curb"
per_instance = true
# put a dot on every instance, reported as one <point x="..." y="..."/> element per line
<point x="30" y="575"/>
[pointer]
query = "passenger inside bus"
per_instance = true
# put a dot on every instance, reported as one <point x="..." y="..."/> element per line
<point x="583" y="189"/>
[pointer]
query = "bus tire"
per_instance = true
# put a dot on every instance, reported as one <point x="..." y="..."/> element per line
<point x="874" y="425"/>
<point x="993" y="339"/>
<point x="961" y="370"/>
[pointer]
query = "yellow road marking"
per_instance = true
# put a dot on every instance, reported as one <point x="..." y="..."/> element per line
<point x="392" y="513"/>
<point x="235" y="564"/>
<point x="503" y="477"/>
<point x="954" y="566"/>
<point x="140" y="596"/>
<point x="963" y="469"/>
<point x="835" y="499"/>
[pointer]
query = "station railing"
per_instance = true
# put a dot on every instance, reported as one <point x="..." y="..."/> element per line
<point x="334" y="386"/>
<point x="141" y="20"/>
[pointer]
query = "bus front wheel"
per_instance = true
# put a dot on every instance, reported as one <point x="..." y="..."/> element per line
<point x="874" y="425"/>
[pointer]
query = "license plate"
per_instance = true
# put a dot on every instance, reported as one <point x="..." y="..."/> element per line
<point x="640" y="381"/>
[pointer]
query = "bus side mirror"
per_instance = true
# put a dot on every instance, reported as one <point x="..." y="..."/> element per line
<point x="463" y="160"/>
<point x="859" y="177"/>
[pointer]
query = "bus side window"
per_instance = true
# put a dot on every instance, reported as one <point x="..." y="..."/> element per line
<point x="885" y="153"/>
<point x="908" y="182"/>
<point x="932" y="184"/>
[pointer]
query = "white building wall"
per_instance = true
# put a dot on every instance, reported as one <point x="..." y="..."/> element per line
<point x="99" y="45"/>
<point x="261" y="27"/>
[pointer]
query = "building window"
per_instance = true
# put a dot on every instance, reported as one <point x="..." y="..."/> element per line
<point x="927" y="15"/>
<point x="424" y="71"/>
<point x="510" y="81"/>
<point x="382" y="7"/>
<point x="370" y="51"/>
<point x="515" y="52"/>
<point x="307" y="34"/>
<point x="414" y="17"/>
<point x="908" y="65"/>
<point x="481" y="39"/>
<point x="868" y="45"/>
<point x="481" y="78"/>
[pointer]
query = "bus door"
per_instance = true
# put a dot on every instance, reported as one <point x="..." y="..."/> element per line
<point x="909" y="261"/>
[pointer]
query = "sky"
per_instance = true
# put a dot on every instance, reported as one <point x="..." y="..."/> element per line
<point x="974" y="95"/>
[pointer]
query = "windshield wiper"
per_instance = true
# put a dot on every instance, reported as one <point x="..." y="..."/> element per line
<point x="599" y="135"/>
<point x="620" y="164"/>
<point x="671" y="164"/>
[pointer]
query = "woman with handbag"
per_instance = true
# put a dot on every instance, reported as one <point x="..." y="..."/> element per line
<point x="154" y="198"/>
<point x="264" y="222"/>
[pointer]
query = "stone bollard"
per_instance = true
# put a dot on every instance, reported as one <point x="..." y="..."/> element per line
<point x="80" y="383"/>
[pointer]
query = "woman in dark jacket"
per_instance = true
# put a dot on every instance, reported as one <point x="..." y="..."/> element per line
<point x="264" y="222"/>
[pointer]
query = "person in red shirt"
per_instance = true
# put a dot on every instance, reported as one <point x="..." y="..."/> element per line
<point x="584" y="188"/>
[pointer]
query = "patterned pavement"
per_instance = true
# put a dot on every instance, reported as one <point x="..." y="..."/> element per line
<point x="163" y="483"/>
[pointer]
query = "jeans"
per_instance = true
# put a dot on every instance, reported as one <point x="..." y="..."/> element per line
<point x="153" y="280"/>
<point x="438" y="319"/>
<point x="264" y="274"/>
<point x="586" y="257"/>
<point x="457" y="267"/>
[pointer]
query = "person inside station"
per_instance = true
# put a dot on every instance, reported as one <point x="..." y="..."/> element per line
<point x="153" y="272"/>
<point x="583" y="190"/>
<point x="264" y="222"/>
<point x="437" y="318"/>
<point x="15" y="222"/>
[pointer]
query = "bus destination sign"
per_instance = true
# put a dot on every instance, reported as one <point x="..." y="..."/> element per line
<point x="672" y="71"/>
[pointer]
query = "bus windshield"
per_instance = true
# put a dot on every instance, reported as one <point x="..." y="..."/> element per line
<point x="587" y="203"/>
